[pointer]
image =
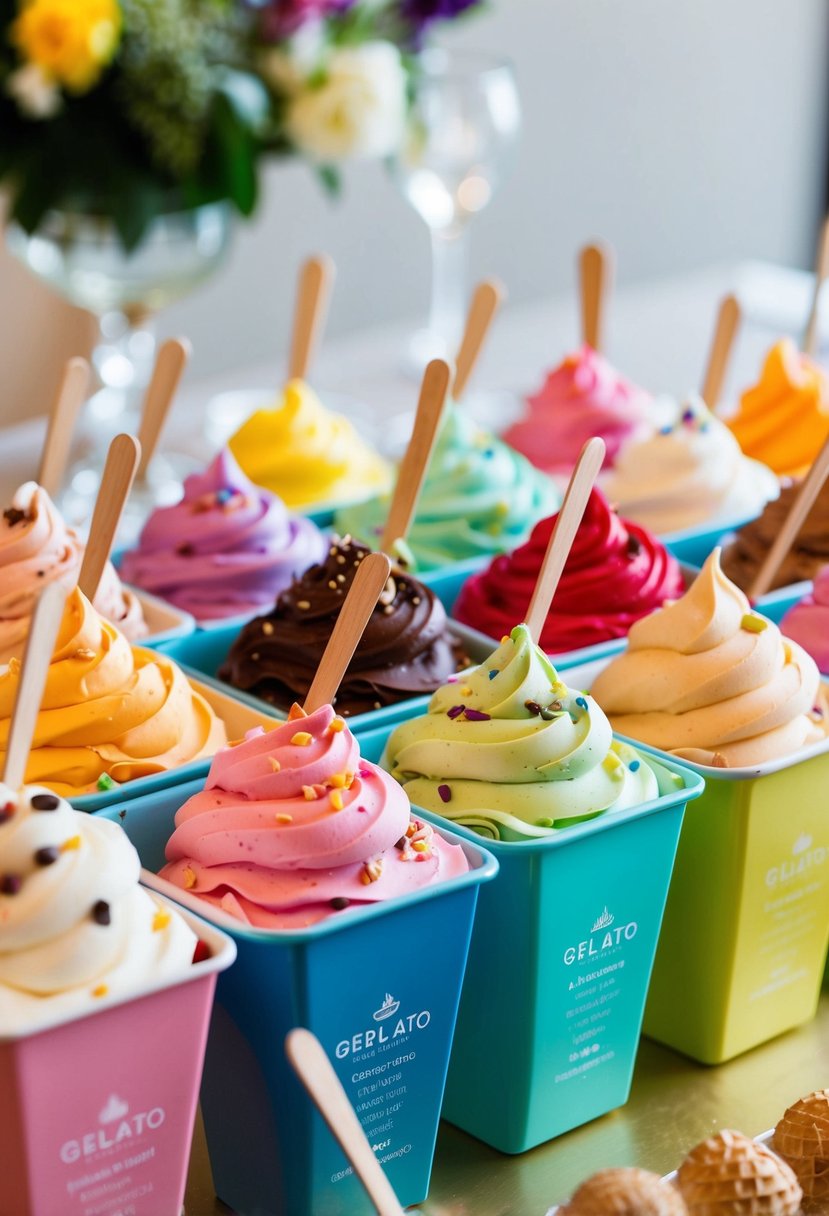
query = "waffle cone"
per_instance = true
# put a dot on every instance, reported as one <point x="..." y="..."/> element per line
<point x="731" y="1175"/>
<point x="625" y="1192"/>
<point x="802" y="1138"/>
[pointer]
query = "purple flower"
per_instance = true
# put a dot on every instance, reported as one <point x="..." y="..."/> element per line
<point x="281" y="18"/>
<point x="420" y="13"/>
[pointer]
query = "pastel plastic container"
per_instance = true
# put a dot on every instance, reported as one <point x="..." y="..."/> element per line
<point x="237" y="717"/>
<point x="202" y="654"/>
<point x="744" y="941"/>
<point x="693" y="545"/>
<point x="379" y="986"/>
<point x="97" y="1110"/>
<point x="558" y="969"/>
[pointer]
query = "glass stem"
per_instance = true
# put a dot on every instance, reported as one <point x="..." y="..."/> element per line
<point x="450" y="263"/>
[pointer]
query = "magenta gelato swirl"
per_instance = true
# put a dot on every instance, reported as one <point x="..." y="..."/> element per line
<point x="36" y="548"/>
<point x="293" y="826"/>
<point x="807" y="623"/>
<point x="582" y="397"/>
<point x="227" y="549"/>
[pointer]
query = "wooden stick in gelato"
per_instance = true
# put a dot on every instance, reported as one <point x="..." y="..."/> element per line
<point x="312" y="1066"/>
<point x="719" y="356"/>
<point x="170" y="363"/>
<point x="413" y="467"/>
<point x="314" y="290"/>
<point x="486" y="300"/>
<point x="802" y="504"/>
<point x="119" y="472"/>
<point x="596" y="264"/>
<point x="573" y="507"/>
<point x="370" y="579"/>
<point x="70" y="397"/>
<point x="821" y="273"/>
<point x="36" y="659"/>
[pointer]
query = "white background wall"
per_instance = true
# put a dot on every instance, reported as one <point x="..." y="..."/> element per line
<point x="685" y="133"/>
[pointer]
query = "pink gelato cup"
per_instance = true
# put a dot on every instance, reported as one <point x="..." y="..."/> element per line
<point x="97" y="1110"/>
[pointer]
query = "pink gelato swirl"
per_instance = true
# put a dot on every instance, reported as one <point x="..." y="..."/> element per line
<point x="227" y="549"/>
<point x="36" y="548"/>
<point x="807" y="623"/>
<point x="293" y="825"/>
<point x="582" y="397"/>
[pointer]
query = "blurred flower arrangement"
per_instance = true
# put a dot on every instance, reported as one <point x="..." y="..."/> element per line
<point x="130" y="109"/>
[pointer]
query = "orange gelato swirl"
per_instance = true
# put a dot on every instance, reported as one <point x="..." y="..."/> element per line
<point x="108" y="708"/>
<point x="783" y="420"/>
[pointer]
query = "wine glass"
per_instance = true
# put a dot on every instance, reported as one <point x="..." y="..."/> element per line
<point x="462" y="130"/>
<point x="81" y="257"/>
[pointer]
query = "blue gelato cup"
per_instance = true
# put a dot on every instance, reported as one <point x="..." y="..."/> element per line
<point x="378" y="985"/>
<point x="559" y="966"/>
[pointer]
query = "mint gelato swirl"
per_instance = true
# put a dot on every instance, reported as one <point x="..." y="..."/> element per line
<point x="479" y="498"/>
<point x="513" y="753"/>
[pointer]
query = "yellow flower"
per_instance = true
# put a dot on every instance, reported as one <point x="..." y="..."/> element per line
<point x="71" y="41"/>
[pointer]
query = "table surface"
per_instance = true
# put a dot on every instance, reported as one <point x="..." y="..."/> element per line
<point x="674" y="1103"/>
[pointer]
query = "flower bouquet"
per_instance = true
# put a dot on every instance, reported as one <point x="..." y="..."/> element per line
<point x="132" y="109"/>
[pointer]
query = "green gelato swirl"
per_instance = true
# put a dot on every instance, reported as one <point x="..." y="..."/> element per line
<point x="513" y="753"/>
<point x="479" y="498"/>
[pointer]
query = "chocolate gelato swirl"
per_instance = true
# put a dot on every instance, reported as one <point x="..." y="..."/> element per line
<point x="744" y="555"/>
<point x="405" y="651"/>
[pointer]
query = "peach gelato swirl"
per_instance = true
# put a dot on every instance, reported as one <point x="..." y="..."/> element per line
<point x="109" y="710"/>
<point x="293" y="826"/>
<point x="711" y="681"/>
<point x="76" y="929"/>
<point x="36" y="548"/>
<point x="783" y="420"/>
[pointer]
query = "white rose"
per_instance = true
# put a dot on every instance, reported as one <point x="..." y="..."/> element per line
<point x="358" y="111"/>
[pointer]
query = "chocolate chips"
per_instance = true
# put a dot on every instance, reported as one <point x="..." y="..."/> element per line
<point x="185" y="550"/>
<point x="101" y="913"/>
<point x="340" y="902"/>
<point x="45" y="802"/>
<point x="10" y="884"/>
<point x="48" y="855"/>
<point x="13" y="516"/>
<point x="634" y="545"/>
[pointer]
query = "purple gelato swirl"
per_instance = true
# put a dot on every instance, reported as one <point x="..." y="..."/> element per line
<point x="227" y="549"/>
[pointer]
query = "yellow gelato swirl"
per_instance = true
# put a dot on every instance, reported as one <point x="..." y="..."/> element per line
<point x="711" y="681"/>
<point x="784" y="419"/>
<point x="511" y="752"/>
<point x="108" y="708"/>
<point x="306" y="454"/>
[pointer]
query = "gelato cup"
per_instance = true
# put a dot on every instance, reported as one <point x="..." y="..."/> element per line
<point x="559" y="965"/>
<point x="378" y="985"/>
<point x="97" y="1109"/>
<point x="744" y="939"/>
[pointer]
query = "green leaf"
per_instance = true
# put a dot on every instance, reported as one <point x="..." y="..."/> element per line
<point x="230" y="156"/>
<point x="331" y="180"/>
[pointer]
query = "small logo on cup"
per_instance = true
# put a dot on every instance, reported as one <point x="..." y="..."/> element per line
<point x="801" y="845"/>
<point x="387" y="1010"/>
<point x="603" y="922"/>
<point x="115" y="1109"/>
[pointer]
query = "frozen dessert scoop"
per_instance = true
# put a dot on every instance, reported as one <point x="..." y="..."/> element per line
<point x="510" y="751"/>
<point x="616" y="572"/>
<point x="37" y="548"/>
<point x="479" y="498"/>
<point x="783" y="420"/>
<point x="729" y="1174"/>
<point x="306" y="454"/>
<point x="709" y="680"/>
<point x="807" y="623"/>
<point x="691" y="472"/>
<point x="583" y="396"/>
<point x="294" y="826"/>
<point x="227" y="549"/>
<point x="625" y="1191"/>
<point x="405" y="651"/>
<point x="76" y="929"/>
<point x="745" y="553"/>
<point x="111" y="712"/>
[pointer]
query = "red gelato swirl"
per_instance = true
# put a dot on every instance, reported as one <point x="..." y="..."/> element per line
<point x="616" y="573"/>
